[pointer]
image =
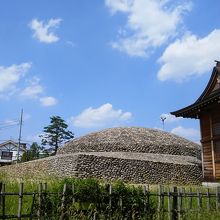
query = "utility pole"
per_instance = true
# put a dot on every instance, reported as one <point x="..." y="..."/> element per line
<point x="19" y="138"/>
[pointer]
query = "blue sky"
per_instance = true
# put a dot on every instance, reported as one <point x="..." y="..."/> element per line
<point x="104" y="63"/>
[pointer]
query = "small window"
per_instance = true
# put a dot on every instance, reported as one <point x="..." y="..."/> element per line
<point x="6" y="155"/>
<point x="216" y="128"/>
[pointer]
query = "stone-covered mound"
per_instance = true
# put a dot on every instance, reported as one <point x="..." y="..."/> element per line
<point x="141" y="168"/>
<point x="135" y="155"/>
<point x="133" y="139"/>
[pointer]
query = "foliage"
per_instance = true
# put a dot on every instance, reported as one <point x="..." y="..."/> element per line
<point x="56" y="133"/>
<point x="33" y="153"/>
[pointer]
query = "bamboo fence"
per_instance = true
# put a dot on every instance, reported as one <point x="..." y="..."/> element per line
<point x="171" y="202"/>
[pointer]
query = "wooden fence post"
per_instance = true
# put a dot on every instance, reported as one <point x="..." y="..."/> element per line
<point x="63" y="202"/>
<point x="184" y="199"/>
<point x="73" y="193"/>
<point x="45" y="187"/>
<point x="121" y="207"/>
<point x="208" y="199"/>
<point x="175" y="204"/>
<point x="148" y="195"/>
<point x="145" y="202"/>
<point x="179" y="203"/>
<point x="199" y="199"/>
<point x="162" y="201"/>
<point x="32" y="206"/>
<point x="217" y="197"/>
<point x="39" y="200"/>
<point x="162" y="198"/>
<point x="0" y="191"/>
<point x="21" y="190"/>
<point x="159" y="200"/>
<point x="110" y="200"/>
<point x="191" y="199"/>
<point x="168" y="203"/>
<point x="3" y="200"/>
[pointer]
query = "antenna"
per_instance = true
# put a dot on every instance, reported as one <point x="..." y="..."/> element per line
<point x="19" y="138"/>
<point x="163" y="118"/>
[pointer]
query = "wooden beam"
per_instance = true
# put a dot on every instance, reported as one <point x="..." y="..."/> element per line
<point x="212" y="146"/>
<point x="202" y="149"/>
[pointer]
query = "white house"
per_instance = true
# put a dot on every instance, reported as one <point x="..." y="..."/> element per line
<point x="9" y="151"/>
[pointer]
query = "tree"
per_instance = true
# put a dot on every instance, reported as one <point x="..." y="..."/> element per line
<point x="32" y="153"/>
<point x="56" y="133"/>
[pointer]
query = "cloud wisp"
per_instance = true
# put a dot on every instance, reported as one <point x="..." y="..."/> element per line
<point x="150" y="24"/>
<point x="100" y="117"/>
<point x="48" y="101"/>
<point x="33" y="90"/>
<point x="45" y="31"/>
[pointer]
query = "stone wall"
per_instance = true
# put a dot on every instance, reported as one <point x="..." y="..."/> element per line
<point x="137" y="171"/>
<point x="109" y="167"/>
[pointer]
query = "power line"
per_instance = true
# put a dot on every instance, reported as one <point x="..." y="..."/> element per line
<point x="7" y="127"/>
<point x="14" y="121"/>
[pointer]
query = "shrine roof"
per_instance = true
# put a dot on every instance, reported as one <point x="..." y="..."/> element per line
<point x="209" y="96"/>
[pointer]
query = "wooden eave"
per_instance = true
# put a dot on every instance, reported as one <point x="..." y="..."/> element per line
<point x="209" y="96"/>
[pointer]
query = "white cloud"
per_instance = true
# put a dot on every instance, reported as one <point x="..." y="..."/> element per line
<point x="189" y="133"/>
<point x="150" y="23"/>
<point x="10" y="76"/>
<point x="189" y="56"/>
<point x="48" y="101"/>
<point x="119" y="5"/>
<point x="12" y="79"/>
<point x="105" y="115"/>
<point x="44" y="31"/>
<point x="33" y="90"/>
<point x="170" y="118"/>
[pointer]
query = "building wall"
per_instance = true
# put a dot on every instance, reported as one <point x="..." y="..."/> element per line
<point x="210" y="131"/>
<point x="9" y="147"/>
<point x="216" y="140"/>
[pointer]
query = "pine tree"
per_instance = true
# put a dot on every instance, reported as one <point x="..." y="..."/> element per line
<point x="56" y="133"/>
